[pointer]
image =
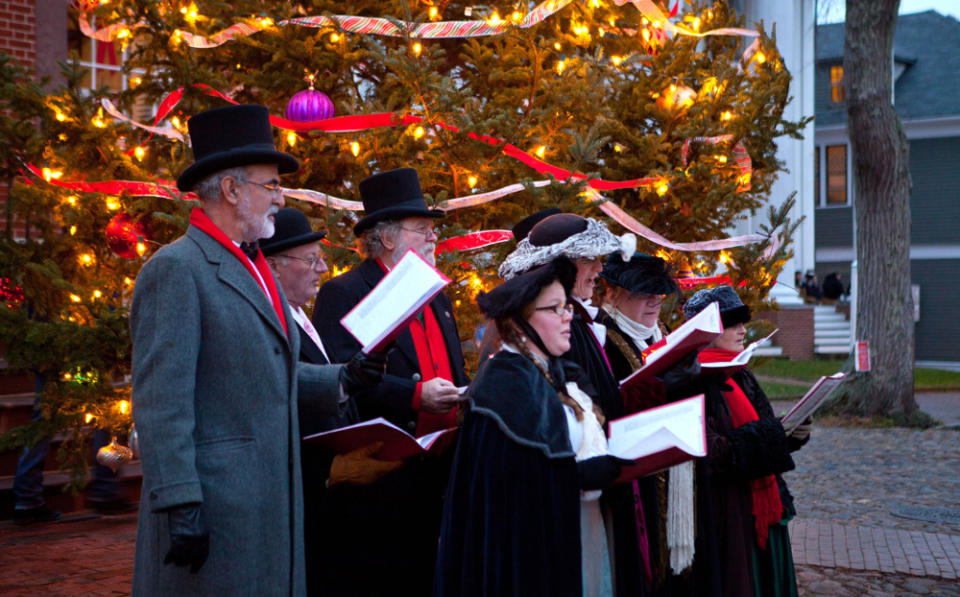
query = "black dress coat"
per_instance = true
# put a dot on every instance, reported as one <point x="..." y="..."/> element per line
<point x="511" y="522"/>
<point x="395" y="522"/>
<point x="618" y="500"/>
<point x="735" y="455"/>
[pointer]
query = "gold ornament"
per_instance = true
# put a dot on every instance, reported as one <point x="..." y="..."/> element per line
<point x="113" y="456"/>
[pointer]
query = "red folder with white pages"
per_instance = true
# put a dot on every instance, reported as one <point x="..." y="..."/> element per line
<point x="658" y="438"/>
<point x="397" y="443"/>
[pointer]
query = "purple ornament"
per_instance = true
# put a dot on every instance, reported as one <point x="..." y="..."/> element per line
<point x="309" y="105"/>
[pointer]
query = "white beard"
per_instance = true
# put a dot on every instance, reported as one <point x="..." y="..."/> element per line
<point x="427" y="253"/>
<point x="254" y="228"/>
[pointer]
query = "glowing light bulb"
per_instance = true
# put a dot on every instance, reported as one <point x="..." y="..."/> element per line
<point x="73" y="230"/>
<point x="560" y="67"/>
<point x="494" y="20"/>
<point x="722" y="159"/>
<point x="726" y="115"/>
<point x="97" y="294"/>
<point x="417" y="48"/>
<point x="472" y="181"/>
<point x="60" y="116"/>
<point x="86" y="259"/>
<point x="616" y="60"/>
<point x="123" y="406"/>
<point x="266" y="22"/>
<point x="662" y="188"/>
<point x="87" y="417"/>
<point x="139" y="152"/>
<point x="760" y="57"/>
<point x="355" y="149"/>
<point x="540" y="151"/>
<point x="516" y="17"/>
<point x="75" y="299"/>
<point x="141" y="248"/>
<point x="418" y="132"/>
<point x="49" y="174"/>
<point x="433" y="12"/>
<point x="291" y="138"/>
<point x="334" y="37"/>
<point x="557" y="46"/>
<point x="618" y="148"/>
<point x="113" y="204"/>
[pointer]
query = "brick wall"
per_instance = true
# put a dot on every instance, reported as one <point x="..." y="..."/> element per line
<point x="796" y="330"/>
<point x="18" y="34"/>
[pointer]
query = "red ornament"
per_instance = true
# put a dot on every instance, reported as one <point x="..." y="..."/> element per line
<point x="123" y="235"/>
<point x="309" y="105"/>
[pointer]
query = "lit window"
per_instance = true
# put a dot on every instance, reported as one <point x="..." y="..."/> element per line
<point x="816" y="176"/>
<point x="836" y="175"/>
<point x="836" y="84"/>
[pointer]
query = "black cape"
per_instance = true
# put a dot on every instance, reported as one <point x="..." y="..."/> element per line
<point x="511" y="520"/>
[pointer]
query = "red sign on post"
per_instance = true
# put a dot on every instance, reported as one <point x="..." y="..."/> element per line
<point x="863" y="356"/>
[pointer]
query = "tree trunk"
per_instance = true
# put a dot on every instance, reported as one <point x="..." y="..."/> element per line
<point x="882" y="204"/>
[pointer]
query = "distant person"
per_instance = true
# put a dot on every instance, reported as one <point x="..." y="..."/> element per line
<point x="812" y="286"/>
<point x="832" y="286"/>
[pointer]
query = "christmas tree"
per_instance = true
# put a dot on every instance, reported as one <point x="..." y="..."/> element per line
<point x="587" y="106"/>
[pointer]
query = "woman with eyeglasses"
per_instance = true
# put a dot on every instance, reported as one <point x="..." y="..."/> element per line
<point x="521" y="504"/>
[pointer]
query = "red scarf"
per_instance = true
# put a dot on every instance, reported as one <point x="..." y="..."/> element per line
<point x="203" y="222"/>
<point x="767" y="509"/>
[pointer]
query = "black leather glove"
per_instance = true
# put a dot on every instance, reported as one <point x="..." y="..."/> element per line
<point x="189" y="538"/>
<point x="363" y="370"/>
<point x="683" y="379"/>
<point x="599" y="472"/>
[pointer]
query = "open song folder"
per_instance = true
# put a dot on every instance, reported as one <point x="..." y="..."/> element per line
<point x="811" y="401"/>
<point x="393" y="303"/>
<point x="660" y="437"/>
<point x="694" y="334"/>
<point x="397" y="443"/>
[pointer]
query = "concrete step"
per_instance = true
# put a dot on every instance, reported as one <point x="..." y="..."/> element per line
<point x="831" y="348"/>
<point x="826" y="318"/>
<point x="818" y="334"/>
<point x="831" y="325"/>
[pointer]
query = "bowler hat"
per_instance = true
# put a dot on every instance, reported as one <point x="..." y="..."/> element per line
<point x="291" y="229"/>
<point x="522" y="228"/>
<point x="229" y="137"/>
<point x="392" y="195"/>
<point x="643" y="274"/>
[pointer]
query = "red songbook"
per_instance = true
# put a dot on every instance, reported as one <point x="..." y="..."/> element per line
<point x="397" y="443"/>
<point x="658" y="438"/>
<point x="393" y="303"/>
<point x="696" y="333"/>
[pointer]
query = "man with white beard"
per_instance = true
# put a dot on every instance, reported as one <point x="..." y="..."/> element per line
<point x="397" y="519"/>
<point x="216" y="381"/>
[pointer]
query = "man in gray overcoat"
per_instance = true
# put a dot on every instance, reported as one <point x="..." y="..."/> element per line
<point x="216" y="382"/>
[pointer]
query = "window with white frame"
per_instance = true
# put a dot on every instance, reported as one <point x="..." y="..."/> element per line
<point x="832" y="188"/>
<point x="104" y="63"/>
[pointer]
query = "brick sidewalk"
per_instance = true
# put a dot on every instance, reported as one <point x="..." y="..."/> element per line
<point x="90" y="556"/>
<point x="834" y="545"/>
<point x="94" y="555"/>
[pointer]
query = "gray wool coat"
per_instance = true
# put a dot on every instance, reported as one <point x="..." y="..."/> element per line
<point x="215" y="388"/>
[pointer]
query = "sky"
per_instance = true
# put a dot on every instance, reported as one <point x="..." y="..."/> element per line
<point x="831" y="11"/>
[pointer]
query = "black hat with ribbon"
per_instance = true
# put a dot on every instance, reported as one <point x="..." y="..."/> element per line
<point x="392" y="195"/>
<point x="229" y="137"/>
<point x="643" y="274"/>
<point x="291" y="229"/>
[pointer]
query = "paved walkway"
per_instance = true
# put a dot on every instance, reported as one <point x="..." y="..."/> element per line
<point x="878" y="514"/>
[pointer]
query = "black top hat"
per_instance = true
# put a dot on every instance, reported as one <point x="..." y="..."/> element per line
<point x="522" y="228"/>
<point x="392" y="195"/>
<point x="643" y="274"/>
<point x="509" y="299"/>
<point x="732" y="309"/>
<point x="292" y="229"/>
<point x="229" y="137"/>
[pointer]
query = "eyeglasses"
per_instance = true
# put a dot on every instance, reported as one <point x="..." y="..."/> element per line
<point x="559" y="310"/>
<point x="426" y="232"/>
<point x="310" y="261"/>
<point x="272" y="186"/>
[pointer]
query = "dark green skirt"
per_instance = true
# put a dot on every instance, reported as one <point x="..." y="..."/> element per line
<point x="773" y="573"/>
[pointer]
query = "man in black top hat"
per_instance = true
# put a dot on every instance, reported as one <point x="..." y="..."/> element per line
<point x="398" y="526"/>
<point x="217" y="382"/>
